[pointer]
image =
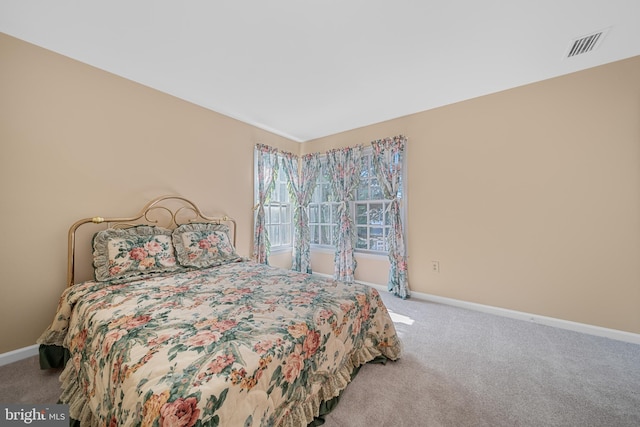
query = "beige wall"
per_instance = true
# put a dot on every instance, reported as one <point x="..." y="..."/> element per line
<point x="529" y="198"/>
<point x="79" y="142"/>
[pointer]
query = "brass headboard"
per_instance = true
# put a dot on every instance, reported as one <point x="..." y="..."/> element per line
<point x="164" y="211"/>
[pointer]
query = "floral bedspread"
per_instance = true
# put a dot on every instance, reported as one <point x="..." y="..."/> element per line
<point x="242" y="344"/>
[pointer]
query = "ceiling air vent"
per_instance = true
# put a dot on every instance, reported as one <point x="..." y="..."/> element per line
<point x="586" y="43"/>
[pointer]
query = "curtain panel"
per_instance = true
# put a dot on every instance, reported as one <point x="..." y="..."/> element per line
<point x="388" y="162"/>
<point x="301" y="187"/>
<point x="344" y="167"/>
<point x="267" y="172"/>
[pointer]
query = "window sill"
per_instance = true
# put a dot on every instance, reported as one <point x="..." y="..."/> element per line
<point x="359" y="253"/>
<point x="281" y="249"/>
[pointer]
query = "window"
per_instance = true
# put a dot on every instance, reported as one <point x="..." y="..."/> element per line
<point x="369" y="211"/>
<point x="278" y="213"/>
<point x="323" y="212"/>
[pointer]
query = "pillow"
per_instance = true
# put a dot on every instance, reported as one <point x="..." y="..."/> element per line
<point x="132" y="252"/>
<point x="203" y="245"/>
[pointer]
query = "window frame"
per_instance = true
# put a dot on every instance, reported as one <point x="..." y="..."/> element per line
<point x="383" y="209"/>
<point x="316" y="219"/>
<point x="284" y="224"/>
<point x="374" y="196"/>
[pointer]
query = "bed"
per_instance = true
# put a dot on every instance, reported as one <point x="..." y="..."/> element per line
<point x="176" y="329"/>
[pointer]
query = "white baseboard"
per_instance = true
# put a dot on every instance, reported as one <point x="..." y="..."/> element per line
<point x="513" y="314"/>
<point x="23" y="353"/>
<point x="584" y="328"/>
<point x="19" y="354"/>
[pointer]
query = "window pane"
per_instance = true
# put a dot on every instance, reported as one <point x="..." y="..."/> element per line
<point x="376" y="214"/>
<point x="387" y="214"/>
<point x="285" y="234"/>
<point x="361" y="214"/>
<point x="313" y="231"/>
<point x="286" y="214"/>
<point x="361" y="243"/>
<point x="326" y="192"/>
<point x="363" y="190"/>
<point x="366" y="167"/>
<point x="271" y="233"/>
<point x="313" y="214"/>
<point x="325" y="214"/>
<point x="284" y="193"/>
<point x="267" y="214"/>
<point x="274" y="237"/>
<point x="275" y="214"/>
<point x="325" y="234"/>
<point x="376" y="239"/>
<point x="376" y="190"/>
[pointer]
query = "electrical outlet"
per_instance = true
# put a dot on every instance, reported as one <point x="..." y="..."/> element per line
<point x="435" y="266"/>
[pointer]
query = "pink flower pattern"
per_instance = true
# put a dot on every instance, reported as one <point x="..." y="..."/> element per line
<point x="180" y="413"/>
<point x="344" y="165"/>
<point x="125" y="336"/>
<point x="133" y="252"/>
<point x="267" y="169"/>
<point x="388" y="162"/>
<point x="204" y="245"/>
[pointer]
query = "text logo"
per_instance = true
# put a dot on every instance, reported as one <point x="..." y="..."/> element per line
<point x="36" y="415"/>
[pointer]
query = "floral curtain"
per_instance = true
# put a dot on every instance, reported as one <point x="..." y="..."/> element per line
<point x="387" y="163"/>
<point x="267" y="171"/>
<point x="301" y="190"/>
<point x="344" y="166"/>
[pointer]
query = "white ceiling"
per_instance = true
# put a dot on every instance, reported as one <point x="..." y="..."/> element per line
<point x="309" y="68"/>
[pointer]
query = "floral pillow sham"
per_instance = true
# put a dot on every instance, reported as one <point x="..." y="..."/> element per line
<point x="203" y="245"/>
<point x="133" y="252"/>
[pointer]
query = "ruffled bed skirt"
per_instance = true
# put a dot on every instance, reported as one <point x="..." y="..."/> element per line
<point x="311" y="413"/>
